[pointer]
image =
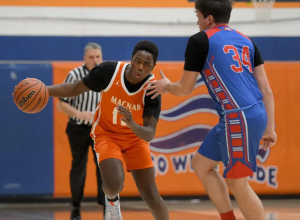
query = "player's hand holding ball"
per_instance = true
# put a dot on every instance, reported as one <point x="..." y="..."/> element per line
<point x="31" y="95"/>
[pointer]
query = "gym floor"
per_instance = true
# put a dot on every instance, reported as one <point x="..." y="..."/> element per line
<point x="179" y="210"/>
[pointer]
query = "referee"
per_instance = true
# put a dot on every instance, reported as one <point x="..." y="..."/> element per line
<point x="80" y="110"/>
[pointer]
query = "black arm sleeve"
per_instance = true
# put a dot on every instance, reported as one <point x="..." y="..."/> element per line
<point x="70" y="79"/>
<point x="100" y="76"/>
<point x="258" y="60"/>
<point x="152" y="107"/>
<point x="196" y="52"/>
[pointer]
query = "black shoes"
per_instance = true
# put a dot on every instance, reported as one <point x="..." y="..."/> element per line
<point x="75" y="213"/>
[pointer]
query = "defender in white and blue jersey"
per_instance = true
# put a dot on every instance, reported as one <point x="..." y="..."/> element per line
<point x="235" y="77"/>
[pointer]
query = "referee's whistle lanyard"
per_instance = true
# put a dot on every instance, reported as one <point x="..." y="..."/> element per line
<point x="242" y="109"/>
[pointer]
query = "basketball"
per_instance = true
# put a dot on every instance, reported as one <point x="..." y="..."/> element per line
<point x="31" y="95"/>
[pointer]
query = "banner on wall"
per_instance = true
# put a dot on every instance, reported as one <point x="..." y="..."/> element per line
<point x="183" y="125"/>
<point x="132" y="3"/>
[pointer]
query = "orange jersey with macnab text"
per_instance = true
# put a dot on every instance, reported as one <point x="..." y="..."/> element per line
<point x="107" y="125"/>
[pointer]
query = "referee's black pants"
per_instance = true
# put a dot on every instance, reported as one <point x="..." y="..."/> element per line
<point x="80" y="141"/>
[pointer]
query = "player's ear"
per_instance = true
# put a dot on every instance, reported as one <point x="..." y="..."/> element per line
<point x="210" y="18"/>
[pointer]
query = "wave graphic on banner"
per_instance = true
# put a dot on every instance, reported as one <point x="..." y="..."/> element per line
<point x="191" y="117"/>
<point x="184" y="139"/>
<point x="195" y="104"/>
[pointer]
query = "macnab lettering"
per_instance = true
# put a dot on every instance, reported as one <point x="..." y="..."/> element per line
<point x="129" y="106"/>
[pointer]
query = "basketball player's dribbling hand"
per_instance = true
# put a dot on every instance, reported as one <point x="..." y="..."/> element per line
<point x="269" y="139"/>
<point x="127" y="117"/>
<point x="159" y="86"/>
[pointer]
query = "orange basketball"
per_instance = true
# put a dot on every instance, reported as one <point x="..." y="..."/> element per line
<point x="31" y="95"/>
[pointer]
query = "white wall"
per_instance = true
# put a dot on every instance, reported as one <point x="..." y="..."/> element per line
<point x="75" y="21"/>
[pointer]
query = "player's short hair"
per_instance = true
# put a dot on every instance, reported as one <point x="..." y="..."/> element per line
<point x="219" y="9"/>
<point x="92" y="45"/>
<point x="148" y="46"/>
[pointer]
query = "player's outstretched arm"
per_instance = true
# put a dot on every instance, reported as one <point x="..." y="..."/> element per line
<point x="183" y="87"/>
<point x="67" y="89"/>
<point x="145" y="132"/>
<point x="261" y="77"/>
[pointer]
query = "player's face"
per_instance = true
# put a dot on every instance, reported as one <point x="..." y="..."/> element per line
<point x="203" y="23"/>
<point x="92" y="58"/>
<point x="142" y="64"/>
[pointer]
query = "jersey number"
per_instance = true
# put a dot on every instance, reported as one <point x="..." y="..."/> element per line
<point x="236" y="57"/>
<point x="115" y="116"/>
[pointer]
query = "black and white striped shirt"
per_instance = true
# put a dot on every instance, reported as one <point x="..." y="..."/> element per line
<point x="84" y="102"/>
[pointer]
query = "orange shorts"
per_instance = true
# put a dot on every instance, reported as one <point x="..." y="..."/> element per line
<point x="135" y="157"/>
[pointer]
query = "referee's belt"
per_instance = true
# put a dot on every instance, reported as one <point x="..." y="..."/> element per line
<point x="81" y="125"/>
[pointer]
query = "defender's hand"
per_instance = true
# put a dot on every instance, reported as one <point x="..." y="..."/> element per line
<point x="269" y="138"/>
<point x="158" y="87"/>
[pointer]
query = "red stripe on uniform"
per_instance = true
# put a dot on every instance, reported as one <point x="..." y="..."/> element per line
<point x="235" y="128"/>
<point x="228" y="141"/>
<point x="215" y="83"/>
<point x="228" y="107"/>
<point x="217" y="78"/>
<point x="233" y="115"/>
<point x="239" y="170"/>
<point x="237" y="154"/>
<point x="245" y="138"/>
<point x="207" y="72"/>
<point x="222" y="95"/>
<point x="237" y="142"/>
<point x="211" y="32"/>
<point x="243" y="35"/>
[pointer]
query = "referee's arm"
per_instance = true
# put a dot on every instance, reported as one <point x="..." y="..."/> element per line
<point x="62" y="90"/>
<point x="67" y="109"/>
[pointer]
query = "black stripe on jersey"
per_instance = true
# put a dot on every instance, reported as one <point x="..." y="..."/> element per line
<point x="84" y="102"/>
<point x="87" y="106"/>
<point x="69" y="79"/>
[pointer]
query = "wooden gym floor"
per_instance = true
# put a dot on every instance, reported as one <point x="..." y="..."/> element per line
<point x="179" y="210"/>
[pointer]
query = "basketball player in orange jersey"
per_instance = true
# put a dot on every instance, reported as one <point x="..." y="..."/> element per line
<point x="124" y="123"/>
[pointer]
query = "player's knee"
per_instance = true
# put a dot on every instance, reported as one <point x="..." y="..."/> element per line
<point x="200" y="166"/>
<point x="196" y="163"/>
<point x="112" y="188"/>
<point x="237" y="185"/>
